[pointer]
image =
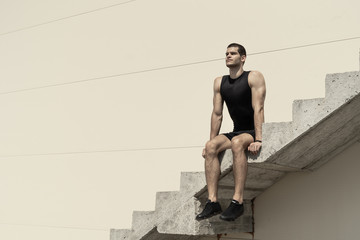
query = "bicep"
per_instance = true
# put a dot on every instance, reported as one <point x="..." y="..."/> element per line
<point x="217" y="99"/>
<point x="258" y="96"/>
<point x="258" y="91"/>
<point x="218" y="104"/>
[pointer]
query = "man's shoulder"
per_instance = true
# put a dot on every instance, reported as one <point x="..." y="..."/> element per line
<point x="255" y="74"/>
<point x="219" y="79"/>
<point x="217" y="83"/>
<point x="256" y="78"/>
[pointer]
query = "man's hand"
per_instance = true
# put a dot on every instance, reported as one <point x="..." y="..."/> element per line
<point x="254" y="147"/>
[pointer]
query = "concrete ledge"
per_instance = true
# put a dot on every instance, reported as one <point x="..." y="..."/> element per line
<point x="339" y="128"/>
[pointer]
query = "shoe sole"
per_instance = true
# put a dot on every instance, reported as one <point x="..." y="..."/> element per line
<point x="214" y="214"/>
<point x="230" y="219"/>
<point x="227" y="219"/>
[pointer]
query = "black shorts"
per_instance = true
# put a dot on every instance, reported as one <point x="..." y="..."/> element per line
<point x="230" y="135"/>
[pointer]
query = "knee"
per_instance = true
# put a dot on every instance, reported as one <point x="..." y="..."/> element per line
<point x="238" y="145"/>
<point x="211" y="149"/>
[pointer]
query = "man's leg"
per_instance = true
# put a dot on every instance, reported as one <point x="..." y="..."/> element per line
<point x="212" y="164"/>
<point x="212" y="173"/>
<point x="239" y="145"/>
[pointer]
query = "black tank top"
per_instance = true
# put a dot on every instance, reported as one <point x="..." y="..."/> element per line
<point x="237" y="95"/>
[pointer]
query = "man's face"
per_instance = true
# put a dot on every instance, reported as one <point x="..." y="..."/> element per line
<point x="233" y="58"/>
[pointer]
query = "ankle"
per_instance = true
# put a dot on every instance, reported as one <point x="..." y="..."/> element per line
<point x="238" y="199"/>
<point x="212" y="199"/>
<point x="236" y="202"/>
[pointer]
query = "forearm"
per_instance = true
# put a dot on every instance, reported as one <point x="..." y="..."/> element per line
<point x="258" y="121"/>
<point x="216" y="121"/>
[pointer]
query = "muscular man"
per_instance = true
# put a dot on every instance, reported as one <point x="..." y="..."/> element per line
<point x="244" y="95"/>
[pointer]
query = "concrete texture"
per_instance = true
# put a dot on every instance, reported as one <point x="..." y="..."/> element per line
<point x="321" y="128"/>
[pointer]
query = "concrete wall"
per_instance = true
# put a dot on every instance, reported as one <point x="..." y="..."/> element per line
<point x="321" y="205"/>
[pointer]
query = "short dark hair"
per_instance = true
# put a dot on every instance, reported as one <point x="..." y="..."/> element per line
<point x="241" y="49"/>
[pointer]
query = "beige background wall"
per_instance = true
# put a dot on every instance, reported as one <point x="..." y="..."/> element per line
<point x="315" y="205"/>
<point x="65" y="168"/>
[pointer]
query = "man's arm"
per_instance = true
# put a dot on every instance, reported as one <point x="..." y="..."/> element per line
<point x="258" y="92"/>
<point x="217" y="113"/>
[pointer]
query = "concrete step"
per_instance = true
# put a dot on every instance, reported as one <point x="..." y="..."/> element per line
<point x="142" y="222"/>
<point x="275" y="136"/>
<point x="308" y="112"/>
<point x="182" y="219"/>
<point x="165" y="200"/>
<point x="191" y="182"/>
<point x="340" y="87"/>
<point x="326" y="139"/>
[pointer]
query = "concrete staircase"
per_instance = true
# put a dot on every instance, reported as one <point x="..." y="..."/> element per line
<point x="320" y="129"/>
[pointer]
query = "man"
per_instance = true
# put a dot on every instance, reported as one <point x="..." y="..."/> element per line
<point x="244" y="95"/>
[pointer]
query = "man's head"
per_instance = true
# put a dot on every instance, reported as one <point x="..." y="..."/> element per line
<point x="235" y="55"/>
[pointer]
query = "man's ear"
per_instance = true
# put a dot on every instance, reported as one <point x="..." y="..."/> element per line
<point x="243" y="58"/>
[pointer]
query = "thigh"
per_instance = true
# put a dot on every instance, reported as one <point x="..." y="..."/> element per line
<point x="243" y="140"/>
<point x="221" y="142"/>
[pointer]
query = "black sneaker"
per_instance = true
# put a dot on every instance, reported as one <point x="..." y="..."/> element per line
<point x="234" y="211"/>
<point x="211" y="209"/>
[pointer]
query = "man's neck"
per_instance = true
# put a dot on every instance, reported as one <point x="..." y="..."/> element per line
<point x="235" y="72"/>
